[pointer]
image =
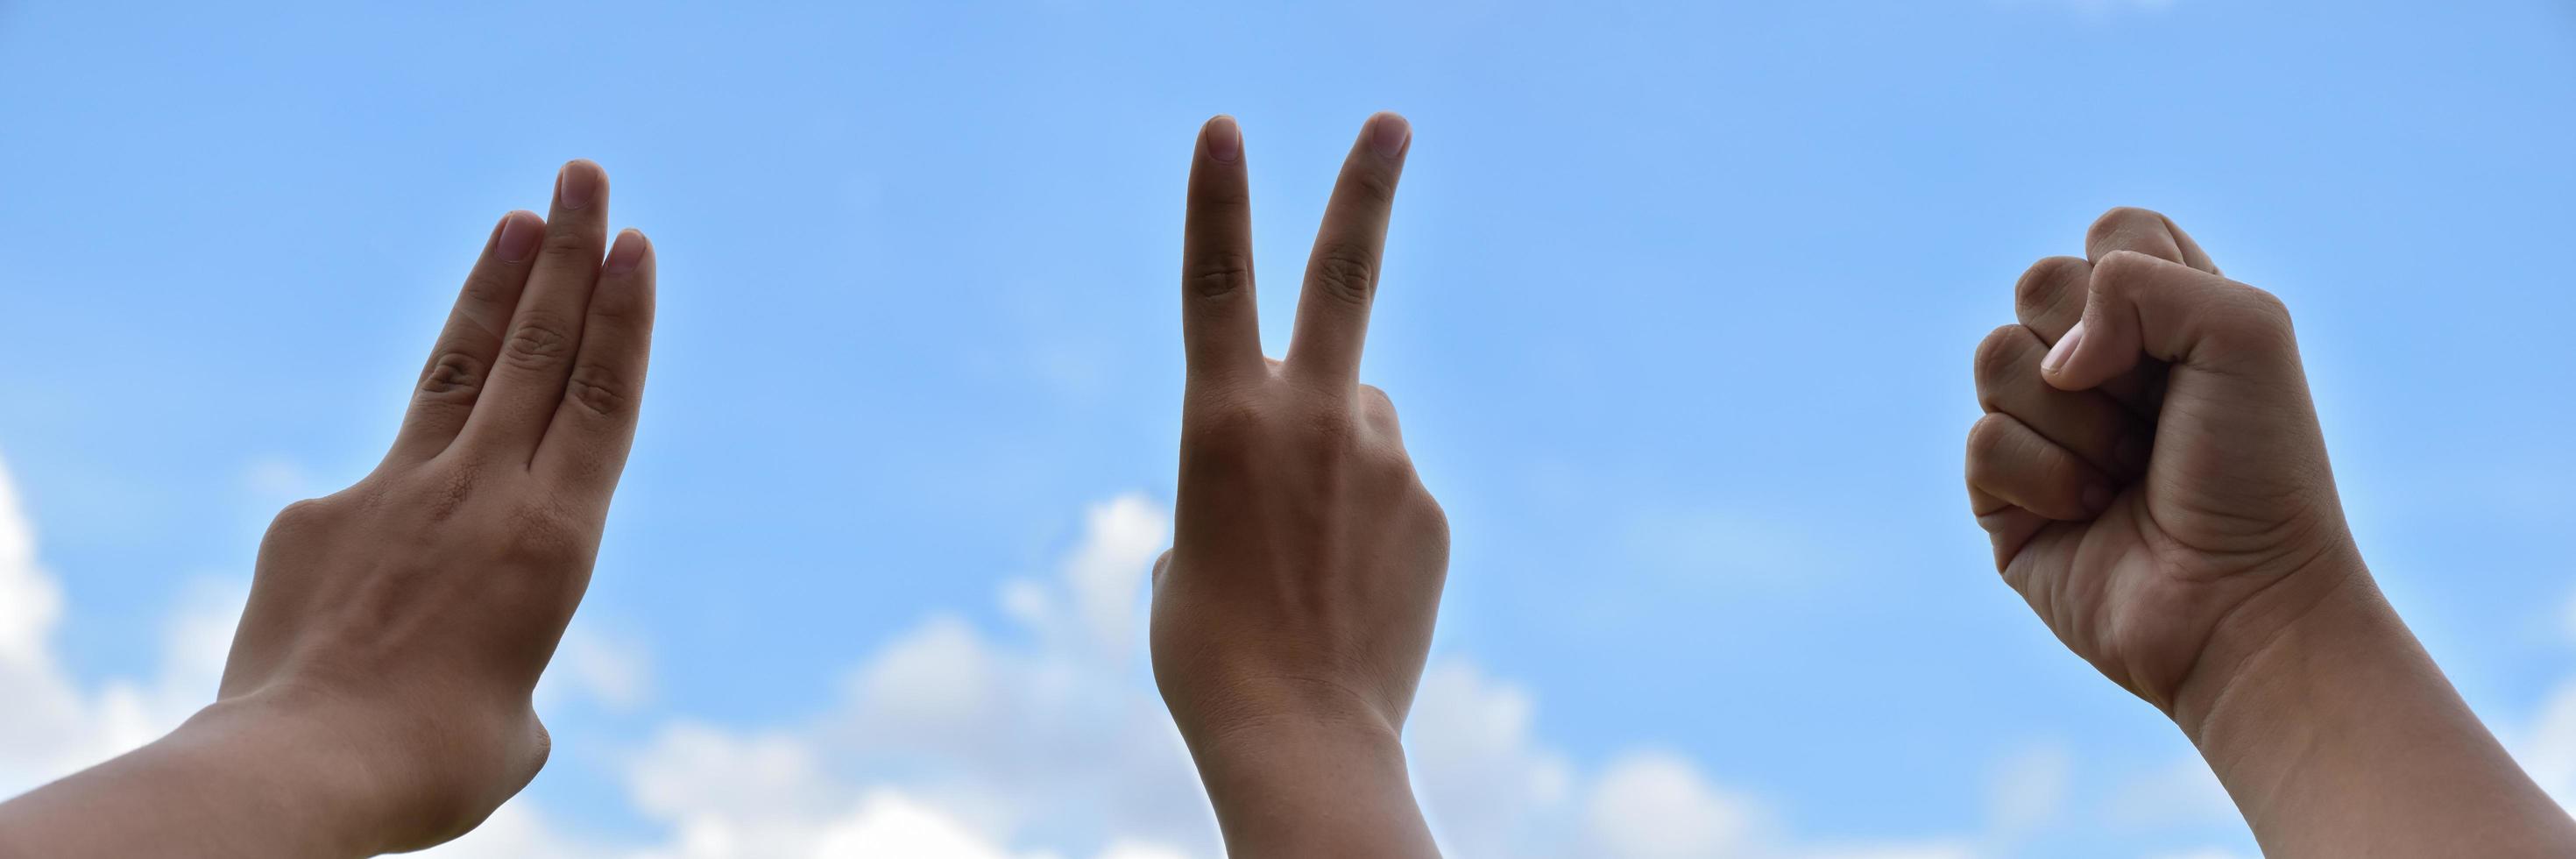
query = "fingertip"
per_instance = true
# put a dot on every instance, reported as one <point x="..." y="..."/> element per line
<point x="515" y="238"/>
<point x="2096" y="498"/>
<point x="628" y="253"/>
<point x="2054" y="364"/>
<point x="1389" y="134"/>
<point x="580" y="183"/>
<point x="1222" y="138"/>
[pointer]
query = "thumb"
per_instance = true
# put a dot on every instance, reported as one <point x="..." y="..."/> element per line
<point x="2139" y="307"/>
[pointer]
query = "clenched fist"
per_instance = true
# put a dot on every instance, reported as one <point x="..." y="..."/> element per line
<point x="1293" y="614"/>
<point x="2149" y="465"/>
<point x="2153" y="476"/>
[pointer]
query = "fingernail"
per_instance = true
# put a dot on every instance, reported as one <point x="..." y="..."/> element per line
<point x="627" y="253"/>
<point x="2064" y="349"/>
<point x="577" y="184"/>
<point x="1224" y="139"/>
<point x="2097" y="498"/>
<point x="1389" y="134"/>
<point x="519" y="234"/>
<point x="2131" y="453"/>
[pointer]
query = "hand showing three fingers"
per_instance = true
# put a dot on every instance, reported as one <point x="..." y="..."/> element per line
<point x="2150" y="467"/>
<point x="377" y="694"/>
<point x="1293" y="614"/>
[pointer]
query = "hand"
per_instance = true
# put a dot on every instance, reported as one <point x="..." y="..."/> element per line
<point x="1293" y="614"/>
<point x="2149" y="466"/>
<point x="2152" y="473"/>
<point x="395" y="629"/>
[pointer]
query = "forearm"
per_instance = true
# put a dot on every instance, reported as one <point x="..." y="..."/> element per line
<point x="1308" y="788"/>
<point x="2339" y="737"/>
<point x="231" y="782"/>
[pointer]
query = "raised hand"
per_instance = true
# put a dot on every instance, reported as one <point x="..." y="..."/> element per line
<point x="2149" y="465"/>
<point x="1293" y="614"/>
<point x="2154" y="479"/>
<point x="377" y="694"/>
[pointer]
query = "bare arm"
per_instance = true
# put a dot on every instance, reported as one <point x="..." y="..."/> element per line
<point x="2341" y="738"/>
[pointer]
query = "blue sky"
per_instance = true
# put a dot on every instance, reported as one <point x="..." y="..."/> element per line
<point x="1677" y="310"/>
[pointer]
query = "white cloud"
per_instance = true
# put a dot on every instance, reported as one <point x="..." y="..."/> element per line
<point x="1659" y="806"/>
<point x="614" y="670"/>
<point x="952" y="743"/>
<point x="2182" y="792"/>
<point x="2028" y="790"/>
<point x="276" y="478"/>
<point x="1045" y="741"/>
<point x="1487" y="785"/>
<point x="2547" y="746"/>
<point x="53" y="723"/>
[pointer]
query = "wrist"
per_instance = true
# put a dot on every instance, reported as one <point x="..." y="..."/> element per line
<point x="2339" y="736"/>
<point x="239" y="778"/>
<point x="1302" y="772"/>
<point x="2326" y="603"/>
<point x="392" y="775"/>
<point x="1291" y="787"/>
<point x="310" y="766"/>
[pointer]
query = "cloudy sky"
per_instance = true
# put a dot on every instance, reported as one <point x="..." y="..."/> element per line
<point x="1678" y="310"/>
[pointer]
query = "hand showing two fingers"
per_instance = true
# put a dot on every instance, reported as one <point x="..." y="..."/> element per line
<point x="1293" y="614"/>
<point x="2149" y="466"/>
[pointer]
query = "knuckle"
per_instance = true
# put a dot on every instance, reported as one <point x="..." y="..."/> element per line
<point x="453" y="375"/>
<point x="2043" y="284"/>
<point x="2118" y="268"/>
<point x="570" y="243"/>
<point x="304" y="516"/>
<point x="1223" y="432"/>
<point x="2120" y="219"/>
<point x="1375" y="398"/>
<point x="600" y="391"/>
<point x="1434" y="517"/>
<point x="1346" y="272"/>
<point x="488" y="291"/>
<point x="1225" y="418"/>
<point x="2266" y="304"/>
<point x="1224" y="275"/>
<point x="1375" y="188"/>
<point x="538" y="342"/>
<point x="1386" y="465"/>
<point x="1987" y="439"/>
<point x="1999" y="356"/>
<point x="624" y="307"/>
<point x="2257" y="317"/>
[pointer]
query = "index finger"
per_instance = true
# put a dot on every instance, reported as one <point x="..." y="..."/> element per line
<point x="1220" y="329"/>
<point x="1341" y="273"/>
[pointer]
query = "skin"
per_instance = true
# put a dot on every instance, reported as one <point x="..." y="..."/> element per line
<point x="376" y="698"/>
<point x="2153" y="475"/>
<point x="1293" y="614"/>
